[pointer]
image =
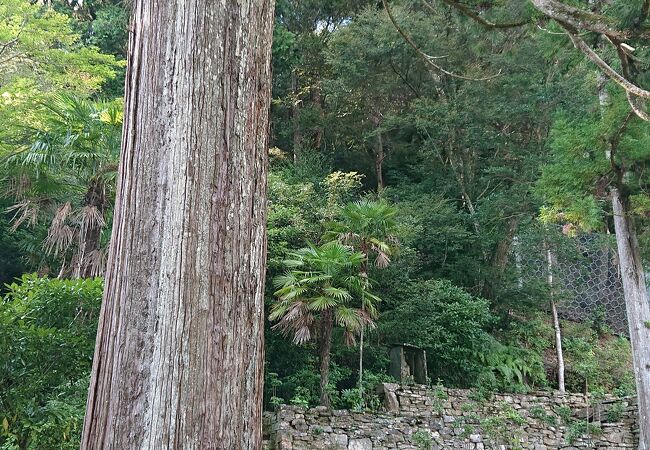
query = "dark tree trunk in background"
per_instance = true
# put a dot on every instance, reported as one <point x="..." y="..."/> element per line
<point x="379" y="153"/>
<point x="317" y="98"/>
<point x="638" y="308"/>
<point x="325" y="343"/>
<point x="179" y="356"/>
<point x="295" y="116"/>
<point x="379" y="162"/>
<point x="500" y="259"/>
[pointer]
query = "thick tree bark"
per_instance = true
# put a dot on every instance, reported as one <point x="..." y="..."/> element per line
<point x="179" y="355"/>
<point x="327" y="323"/>
<point x="638" y="309"/>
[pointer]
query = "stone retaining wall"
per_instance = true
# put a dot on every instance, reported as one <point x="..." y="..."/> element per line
<point x="417" y="417"/>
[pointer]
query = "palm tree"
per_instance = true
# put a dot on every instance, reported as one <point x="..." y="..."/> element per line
<point x="62" y="172"/>
<point x="368" y="226"/>
<point x="316" y="293"/>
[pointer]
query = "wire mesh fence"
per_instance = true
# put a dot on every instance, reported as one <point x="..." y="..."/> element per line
<point x="585" y="275"/>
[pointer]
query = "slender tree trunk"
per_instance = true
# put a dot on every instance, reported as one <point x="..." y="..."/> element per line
<point x="558" y="347"/>
<point x="179" y="356"/>
<point x="325" y="352"/>
<point x="317" y="98"/>
<point x="364" y="276"/>
<point x="361" y="362"/>
<point x="379" y="161"/>
<point x="638" y="309"/>
<point x="556" y="324"/>
<point x="378" y="152"/>
<point x="295" y="116"/>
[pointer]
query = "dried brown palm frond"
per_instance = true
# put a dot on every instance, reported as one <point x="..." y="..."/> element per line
<point x="297" y="320"/>
<point x="25" y="212"/>
<point x="302" y="335"/>
<point x="382" y="260"/>
<point x="97" y="260"/>
<point x="59" y="239"/>
<point x="60" y="235"/>
<point x="349" y="237"/>
<point x="89" y="218"/>
<point x="61" y="215"/>
<point x="349" y="339"/>
<point x="91" y="264"/>
<point x="366" y="319"/>
<point x="17" y="186"/>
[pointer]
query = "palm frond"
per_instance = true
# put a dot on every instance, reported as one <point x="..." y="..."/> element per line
<point x="321" y="303"/>
<point x="348" y="318"/>
<point x="25" y="212"/>
<point x="349" y="339"/>
<point x="337" y="293"/>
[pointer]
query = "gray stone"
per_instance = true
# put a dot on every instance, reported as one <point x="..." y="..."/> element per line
<point x="360" y="444"/>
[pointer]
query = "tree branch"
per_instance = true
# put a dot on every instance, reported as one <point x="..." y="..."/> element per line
<point x="467" y="11"/>
<point x="429" y="59"/>
<point x="403" y="78"/>
<point x="606" y="68"/>
<point x="585" y="20"/>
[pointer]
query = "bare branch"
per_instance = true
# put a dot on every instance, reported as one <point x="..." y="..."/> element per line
<point x="636" y="107"/>
<point x="606" y="68"/>
<point x="429" y="59"/>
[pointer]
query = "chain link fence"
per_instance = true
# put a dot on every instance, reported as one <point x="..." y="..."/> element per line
<point x="585" y="275"/>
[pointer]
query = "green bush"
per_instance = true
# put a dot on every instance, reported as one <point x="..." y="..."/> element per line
<point x="447" y="322"/>
<point x="47" y="337"/>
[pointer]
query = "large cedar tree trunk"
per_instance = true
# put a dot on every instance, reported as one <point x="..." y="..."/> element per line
<point x="638" y="308"/>
<point x="179" y="356"/>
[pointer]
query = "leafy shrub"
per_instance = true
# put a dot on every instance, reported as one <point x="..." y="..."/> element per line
<point x="539" y="413"/>
<point x="565" y="413"/>
<point x="422" y="438"/>
<point x="514" y="369"/>
<point x="47" y="336"/>
<point x="447" y="322"/>
<point x="615" y="412"/>
<point x="301" y="397"/>
<point x="579" y="428"/>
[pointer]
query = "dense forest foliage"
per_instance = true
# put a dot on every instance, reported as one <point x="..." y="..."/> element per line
<point x="396" y="193"/>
